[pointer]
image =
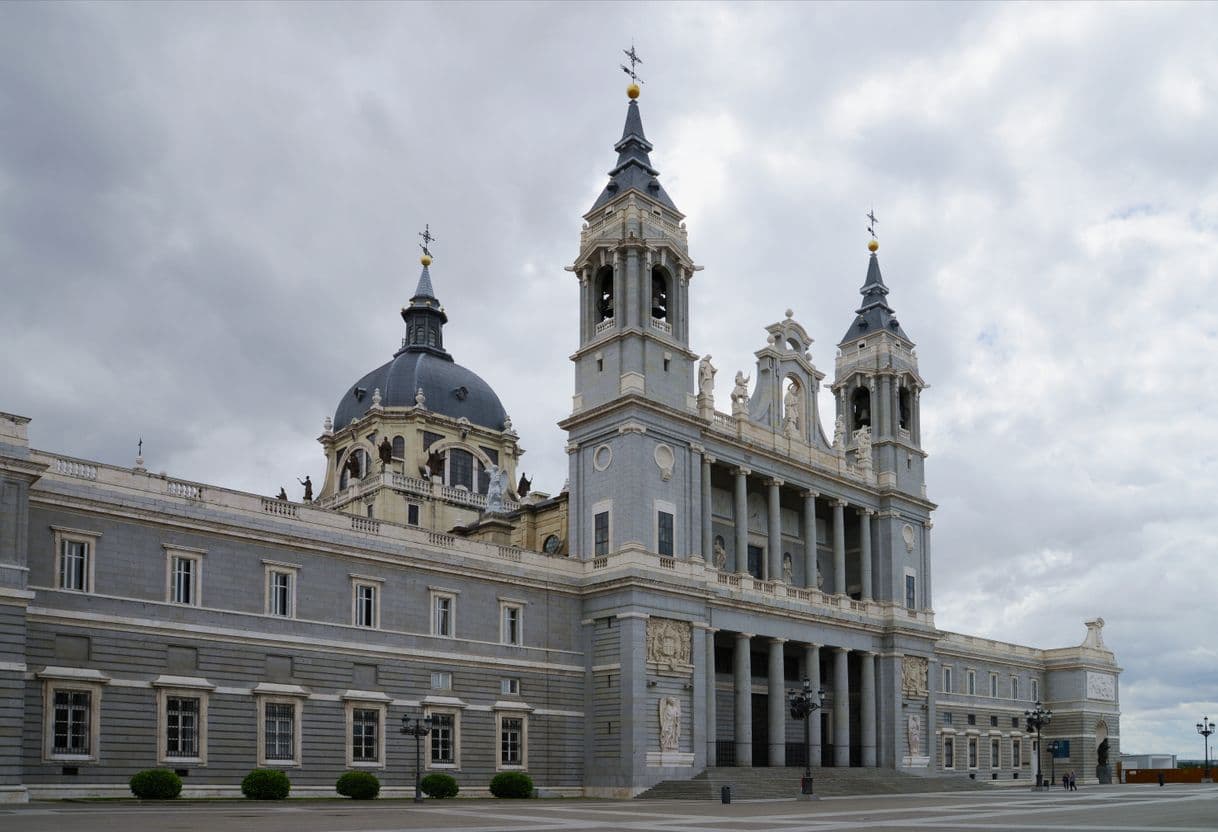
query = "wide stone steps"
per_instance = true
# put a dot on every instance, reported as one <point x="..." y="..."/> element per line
<point x="777" y="783"/>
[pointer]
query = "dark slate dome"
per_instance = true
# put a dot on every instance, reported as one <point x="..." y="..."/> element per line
<point x="449" y="389"/>
<point x="423" y="363"/>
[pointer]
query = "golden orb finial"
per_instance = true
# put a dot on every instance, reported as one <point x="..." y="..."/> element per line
<point x="873" y="246"/>
<point x="632" y="91"/>
<point x="425" y="260"/>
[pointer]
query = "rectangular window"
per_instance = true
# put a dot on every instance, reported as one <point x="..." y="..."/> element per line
<point x="366" y="601"/>
<point x="183" y="581"/>
<point x="74" y="565"/>
<point x="972" y="752"/>
<point x="947" y="718"/>
<point x="994" y="685"/>
<point x="442" y="614"/>
<point x="995" y="761"/>
<point x="509" y="687"/>
<point x="601" y="523"/>
<point x="1035" y="690"/>
<point x="443" y="739"/>
<point x="1016" y="753"/>
<point x="441" y="680"/>
<point x="949" y="752"/>
<point x="972" y="682"/>
<point x="365" y="735"/>
<point x="510" y="624"/>
<point x="279" y="732"/>
<point x="511" y="741"/>
<point x="183" y="574"/>
<point x="971" y="719"/>
<point x="182" y="726"/>
<point x="1014" y="722"/>
<point x="993" y="722"/>
<point x="911" y="595"/>
<point x="461" y="468"/>
<point x="73" y="713"/>
<point x="412" y="514"/>
<point x="1014" y="687"/>
<point x="947" y="680"/>
<point x="664" y="533"/>
<point x="280" y="588"/>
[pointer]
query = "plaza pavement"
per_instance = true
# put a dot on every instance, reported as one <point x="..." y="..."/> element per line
<point x="1104" y="809"/>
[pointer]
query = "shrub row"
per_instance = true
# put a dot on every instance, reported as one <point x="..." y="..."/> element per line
<point x="273" y="784"/>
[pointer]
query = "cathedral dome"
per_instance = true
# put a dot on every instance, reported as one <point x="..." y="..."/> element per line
<point x="448" y="389"/>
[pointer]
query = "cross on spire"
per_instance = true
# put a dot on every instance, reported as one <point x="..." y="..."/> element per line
<point x="635" y="60"/>
<point x="872" y="222"/>
<point x="427" y="239"/>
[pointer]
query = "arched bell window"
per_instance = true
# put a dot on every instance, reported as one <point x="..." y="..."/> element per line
<point x="905" y="408"/>
<point x="860" y="408"/>
<point x="659" y="293"/>
<point x="399" y="447"/>
<point x="604" y="294"/>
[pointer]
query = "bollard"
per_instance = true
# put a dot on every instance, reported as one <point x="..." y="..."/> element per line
<point x="725" y="794"/>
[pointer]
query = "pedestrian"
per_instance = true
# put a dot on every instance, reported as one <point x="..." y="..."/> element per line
<point x="1073" y="786"/>
<point x="1065" y="781"/>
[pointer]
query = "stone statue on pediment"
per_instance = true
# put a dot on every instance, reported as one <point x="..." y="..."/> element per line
<point x="862" y="444"/>
<point x="706" y="377"/>
<point x="740" y="395"/>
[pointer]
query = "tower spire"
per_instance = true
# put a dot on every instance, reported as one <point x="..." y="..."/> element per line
<point x="424" y="317"/>
<point x="874" y="315"/>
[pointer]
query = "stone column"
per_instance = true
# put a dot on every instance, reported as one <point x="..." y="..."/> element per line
<point x="886" y="420"/>
<point x="867" y="704"/>
<point x="865" y="564"/>
<point x="915" y="420"/>
<point x="777" y="738"/>
<point x="712" y="731"/>
<point x="810" y="539"/>
<point x="841" y="708"/>
<point x="742" y="519"/>
<point x="839" y="547"/>
<point x="812" y="674"/>
<point x="743" y="684"/>
<point x="775" y="543"/>
<point x="708" y="536"/>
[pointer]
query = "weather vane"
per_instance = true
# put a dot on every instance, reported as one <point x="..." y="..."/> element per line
<point x="872" y="223"/>
<point x="427" y="240"/>
<point x="635" y="60"/>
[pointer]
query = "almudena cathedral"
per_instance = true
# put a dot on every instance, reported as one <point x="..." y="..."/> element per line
<point x="641" y="625"/>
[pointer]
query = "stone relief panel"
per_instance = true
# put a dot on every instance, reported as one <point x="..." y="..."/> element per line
<point x="665" y="459"/>
<point x="913" y="676"/>
<point x="670" y="723"/>
<point x="1101" y="686"/>
<point x="668" y="643"/>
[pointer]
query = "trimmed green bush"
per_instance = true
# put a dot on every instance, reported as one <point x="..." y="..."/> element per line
<point x="512" y="784"/>
<point x="266" y="784"/>
<point x="358" y="785"/>
<point x="439" y="785"/>
<point x="156" y="784"/>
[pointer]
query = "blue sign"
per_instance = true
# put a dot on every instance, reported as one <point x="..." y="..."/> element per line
<point x="1063" y="749"/>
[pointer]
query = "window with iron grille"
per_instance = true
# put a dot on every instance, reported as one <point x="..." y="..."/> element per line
<point x="443" y="739"/>
<point x="280" y="731"/>
<point x="71" y="728"/>
<point x="182" y="726"/>
<point x="365" y="735"/>
<point x="511" y="741"/>
<point x="601" y="524"/>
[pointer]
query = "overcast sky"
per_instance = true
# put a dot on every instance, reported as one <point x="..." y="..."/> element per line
<point x="208" y="219"/>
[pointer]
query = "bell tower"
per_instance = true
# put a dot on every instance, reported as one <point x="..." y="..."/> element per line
<point x="634" y="271"/>
<point x="877" y="390"/>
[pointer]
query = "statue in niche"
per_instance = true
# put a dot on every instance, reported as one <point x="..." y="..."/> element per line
<point x="913" y="732"/>
<point x="353" y="466"/>
<point x="862" y="440"/>
<point x="790" y="410"/>
<point x="385" y="451"/>
<point x="720" y="557"/>
<point x="307" y="482"/>
<point x="670" y="723"/>
<point x="913" y="676"/>
<point x="740" y="395"/>
<point x="788" y="569"/>
<point x="494" y="488"/>
<point x="706" y="377"/>
<point x="839" y="433"/>
<point x="820" y="577"/>
<point x="668" y="642"/>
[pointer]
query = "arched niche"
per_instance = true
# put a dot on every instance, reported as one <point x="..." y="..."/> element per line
<point x="602" y="286"/>
<point x="661" y="293"/>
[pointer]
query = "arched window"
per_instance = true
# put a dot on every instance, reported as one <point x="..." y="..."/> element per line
<point x="860" y="408"/>
<point x="604" y="294"/>
<point x="460" y="468"/>
<point x="399" y="447"/>
<point x="659" y="294"/>
<point x="905" y="408"/>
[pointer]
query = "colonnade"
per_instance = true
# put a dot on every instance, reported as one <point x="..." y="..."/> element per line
<point x="772" y="565"/>
<point x="837" y="693"/>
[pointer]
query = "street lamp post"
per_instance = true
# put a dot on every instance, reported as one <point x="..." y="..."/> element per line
<point x="1038" y="718"/>
<point x="417" y="728"/>
<point x="1205" y="727"/>
<point x="804" y="703"/>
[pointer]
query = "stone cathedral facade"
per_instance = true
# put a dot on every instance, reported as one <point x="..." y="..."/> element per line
<point x="642" y="624"/>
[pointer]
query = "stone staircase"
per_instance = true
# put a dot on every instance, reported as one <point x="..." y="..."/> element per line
<point x="778" y="783"/>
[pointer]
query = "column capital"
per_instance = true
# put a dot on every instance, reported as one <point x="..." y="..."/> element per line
<point x="812" y="645"/>
<point x="743" y="636"/>
<point x="695" y="447"/>
<point x="741" y="471"/>
<point x="775" y="482"/>
<point x="708" y="458"/>
<point x="871" y="653"/>
<point x="702" y="625"/>
<point x="808" y="492"/>
<point x="778" y="641"/>
<point x="841" y="649"/>
<point x="867" y="512"/>
<point x="840" y="503"/>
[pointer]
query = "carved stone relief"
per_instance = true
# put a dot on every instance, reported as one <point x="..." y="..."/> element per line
<point x="913" y="676"/>
<point x="665" y="459"/>
<point x="907" y="534"/>
<point x="1101" y="686"/>
<point x="668" y="643"/>
<point x="670" y="723"/>
<point x="913" y="731"/>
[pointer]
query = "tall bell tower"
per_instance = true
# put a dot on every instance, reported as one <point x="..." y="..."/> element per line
<point x="634" y="271"/>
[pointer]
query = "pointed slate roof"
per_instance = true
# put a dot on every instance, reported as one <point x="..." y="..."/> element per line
<point x="424" y="290"/>
<point x="633" y="168"/>
<point x="875" y="315"/>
